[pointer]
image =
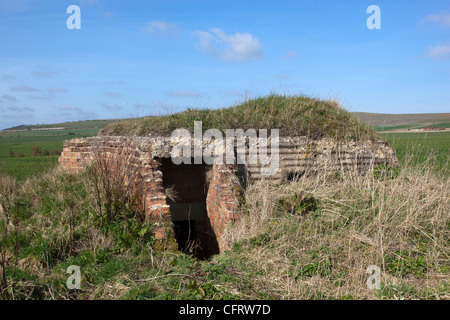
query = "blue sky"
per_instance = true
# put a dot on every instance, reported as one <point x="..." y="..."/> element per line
<point x="137" y="58"/>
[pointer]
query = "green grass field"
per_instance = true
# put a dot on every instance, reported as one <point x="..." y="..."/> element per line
<point x="21" y="143"/>
<point x="400" y="120"/>
<point x="441" y="125"/>
<point x="418" y="148"/>
<point x="413" y="126"/>
<point x="23" y="168"/>
<point x="404" y="126"/>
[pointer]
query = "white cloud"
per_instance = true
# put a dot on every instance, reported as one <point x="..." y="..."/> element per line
<point x="20" y="109"/>
<point x="50" y="94"/>
<point x="160" y="27"/>
<point x="18" y="113"/>
<point x="65" y="107"/>
<point x="42" y="97"/>
<point x="282" y="76"/>
<point x="57" y="90"/>
<point x="8" y="77"/>
<point x="14" y="5"/>
<point x="233" y="47"/>
<point x="184" y="94"/>
<point x="142" y="106"/>
<point x="112" y="94"/>
<point x="111" y="106"/>
<point x="168" y="108"/>
<point x="9" y="97"/>
<point x="440" y="51"/>
<point x="44" y="74"/>
<point x="442" y="18"/>
<point x="73" y="112"/>
<point x="24" y="89"/>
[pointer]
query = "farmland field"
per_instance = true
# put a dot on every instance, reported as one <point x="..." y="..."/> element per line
<point x="23" y="168"/>
<point x="418" y="148"/>
<point x="23" y="142"/>
<point x="16" y="150"/>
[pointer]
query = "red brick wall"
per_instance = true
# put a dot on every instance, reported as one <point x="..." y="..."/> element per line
<point x="78" y="153"/>
<point x="222" y="201"/>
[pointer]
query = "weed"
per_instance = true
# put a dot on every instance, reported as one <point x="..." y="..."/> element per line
<point x="298" y="204"/>
<point x="260" y="240"/>
<point x="386" y="172"/>
<point x="401" y="264"/>
<point x="318" y="266"/>
<point x="399" y="291"/>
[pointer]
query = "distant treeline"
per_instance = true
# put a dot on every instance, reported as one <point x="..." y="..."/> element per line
<point x="35" y="152"/>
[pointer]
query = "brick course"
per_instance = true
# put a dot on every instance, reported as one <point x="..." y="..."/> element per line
<point x="222" y="200"/>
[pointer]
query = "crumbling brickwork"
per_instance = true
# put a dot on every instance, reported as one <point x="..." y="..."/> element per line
<point x="296" y="155"/>
<point x="222" y="201"/>
<point x="78" y="153"/>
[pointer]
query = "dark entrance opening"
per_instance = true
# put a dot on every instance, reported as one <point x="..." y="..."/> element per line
<point x="294" y="176"/>
<point x="185" y="234"/>
<point x="186" y="190"/>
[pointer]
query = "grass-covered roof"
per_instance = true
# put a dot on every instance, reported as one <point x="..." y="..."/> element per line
<point x="292" y="115"/>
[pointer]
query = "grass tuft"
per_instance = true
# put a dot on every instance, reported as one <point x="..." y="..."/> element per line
<point x="292" y="115"/>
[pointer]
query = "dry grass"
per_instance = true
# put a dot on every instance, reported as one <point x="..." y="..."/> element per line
<point x="7" y="224"/>
<point x="117" y="181"/>
<point x="171" y="193"/>
<point x="311" y="238"/>
<point x="399" y="223"/>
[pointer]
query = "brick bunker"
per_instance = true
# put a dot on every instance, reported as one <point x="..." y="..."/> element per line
<point x="207" y="196"/>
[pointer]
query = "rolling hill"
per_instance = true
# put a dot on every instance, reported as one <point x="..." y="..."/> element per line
<point x="403" y="121"/>
<point x="380" y="121"/>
